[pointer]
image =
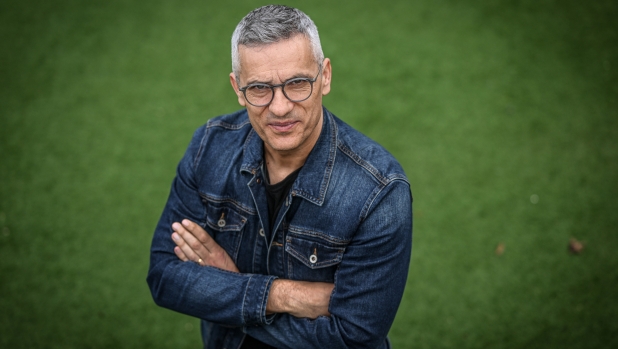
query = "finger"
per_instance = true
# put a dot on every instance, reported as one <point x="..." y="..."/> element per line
<point x="201" y="235"/>
<point x="184" y="252"/>
<point x="180" y="237"/>
<point x="181" y="255"/>
<point x="204" y="246"/>
<point x="190" y="240"/>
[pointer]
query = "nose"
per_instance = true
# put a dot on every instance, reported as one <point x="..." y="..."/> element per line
<point x="280" y="105"/>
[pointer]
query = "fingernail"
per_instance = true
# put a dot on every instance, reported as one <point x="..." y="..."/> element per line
<point x="175" y="236"/>
<point x="186" y="222"/>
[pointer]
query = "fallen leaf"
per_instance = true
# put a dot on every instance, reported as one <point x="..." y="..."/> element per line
<point x="575" y="246"/>
<point x="499" y="249"/>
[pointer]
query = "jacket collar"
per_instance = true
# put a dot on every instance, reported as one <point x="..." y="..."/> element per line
<point x="313" y="179"/>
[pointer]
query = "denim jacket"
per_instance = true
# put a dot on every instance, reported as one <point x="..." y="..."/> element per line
<point x="347" y="221"/>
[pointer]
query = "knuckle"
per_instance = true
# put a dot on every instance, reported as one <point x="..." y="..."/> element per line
<point x="195" y="245"/>
<point x="219" y="255"/>
<point x="203" y="238"/>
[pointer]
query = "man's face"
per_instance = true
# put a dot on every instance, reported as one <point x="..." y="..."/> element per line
<point x="286" y="127"/>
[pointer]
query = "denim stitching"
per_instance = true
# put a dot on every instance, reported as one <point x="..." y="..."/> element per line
<point x="222" y="124"/>
<point x="364" y="164"/>
<point x="244" y="301"/>
<point x="318" y="234"/>
<point x="198" y="156"/>
<point x="371" y="199"/>
<point x="236" y="204"/>
<point x="331" y="159"/>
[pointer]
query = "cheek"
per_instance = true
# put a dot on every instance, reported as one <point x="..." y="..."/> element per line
<point x="255" y="119"/>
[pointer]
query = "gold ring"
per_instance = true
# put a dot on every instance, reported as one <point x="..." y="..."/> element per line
<point x="199" y="261"/>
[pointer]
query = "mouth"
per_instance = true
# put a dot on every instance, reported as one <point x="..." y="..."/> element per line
<point x="282" y="127"/>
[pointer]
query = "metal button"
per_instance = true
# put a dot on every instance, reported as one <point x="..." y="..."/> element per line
<point x="261" y="232"/>
<point x="221" y="221"/>
<point x="313" y="258"/>
<point x="258" y="181"/>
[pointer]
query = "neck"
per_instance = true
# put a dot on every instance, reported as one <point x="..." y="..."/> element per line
<point x="281" y="163"/>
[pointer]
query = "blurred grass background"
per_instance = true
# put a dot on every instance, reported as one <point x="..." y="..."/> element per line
<point x="504" y="115"/>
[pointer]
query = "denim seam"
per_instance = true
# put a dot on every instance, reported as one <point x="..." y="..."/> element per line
<point x="266" y="292"/>
<point x="245" y="320"/>
<point x="331" y="159"/>
<point x="367" y="206"/>
<point x="226" y="125"/>
<point x="248" y="167"/>
<point x="236" y="204"/>
<point x="319" y="265"/>
<point x="303" y="194"/>
<point x="398" y="176"/>
<point x="198" y="155"/>
<point x="370" y="201"/>
<point x="299" y="231"/>
<point x="364" y="164"/>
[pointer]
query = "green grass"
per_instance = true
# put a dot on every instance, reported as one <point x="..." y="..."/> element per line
<point x="484" y="103"/>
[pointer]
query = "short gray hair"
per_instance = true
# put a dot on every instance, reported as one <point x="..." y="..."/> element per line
<point x="270" y="24"/>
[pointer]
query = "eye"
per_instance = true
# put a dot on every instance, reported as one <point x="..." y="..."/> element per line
<point x="258" y="87"/>
<point x="296" y="82"/>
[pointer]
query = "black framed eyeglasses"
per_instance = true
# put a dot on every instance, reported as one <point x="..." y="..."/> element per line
<point x="296" y="90"/>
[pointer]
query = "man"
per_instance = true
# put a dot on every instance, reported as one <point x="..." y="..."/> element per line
<point x="284" y="227"/>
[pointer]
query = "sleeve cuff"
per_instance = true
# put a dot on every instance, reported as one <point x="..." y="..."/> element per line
<point x="255" y="300"/>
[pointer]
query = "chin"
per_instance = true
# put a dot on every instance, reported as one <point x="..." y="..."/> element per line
<point x="284" y="146"/>
<point x="284" y="142"/>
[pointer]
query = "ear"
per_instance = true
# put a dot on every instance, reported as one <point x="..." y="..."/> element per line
<point x="241" y="97"/>
<point x="327" y="74"/>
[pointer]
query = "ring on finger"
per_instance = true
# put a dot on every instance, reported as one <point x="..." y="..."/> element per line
<point x="200" y="261"/>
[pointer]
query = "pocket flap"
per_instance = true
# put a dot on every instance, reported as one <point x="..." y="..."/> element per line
<point x="225" y="219"/>
<point x="313" y="252"/>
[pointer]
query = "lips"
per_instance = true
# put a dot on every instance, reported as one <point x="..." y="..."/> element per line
<point x="282" y="126"/>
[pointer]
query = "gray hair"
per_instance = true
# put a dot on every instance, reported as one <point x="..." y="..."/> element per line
<point x="270" y="24"/>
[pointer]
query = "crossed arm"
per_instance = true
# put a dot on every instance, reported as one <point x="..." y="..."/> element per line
<point x="301" y="299"/>
<point x="369" y="284"/>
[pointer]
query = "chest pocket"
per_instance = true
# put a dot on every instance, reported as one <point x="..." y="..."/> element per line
<point x="312" y="256"/>
<point x="225" y="225"/>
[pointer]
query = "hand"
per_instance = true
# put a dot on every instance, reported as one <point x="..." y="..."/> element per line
<point x="195" y="244"/>
<point x="301" y="299"/>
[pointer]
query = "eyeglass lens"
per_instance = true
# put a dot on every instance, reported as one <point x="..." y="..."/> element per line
<point x="295" y="90"/>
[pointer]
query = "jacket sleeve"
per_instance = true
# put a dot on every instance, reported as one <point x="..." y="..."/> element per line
<point x="369" y="283"/>
<point x="208" y="293"/>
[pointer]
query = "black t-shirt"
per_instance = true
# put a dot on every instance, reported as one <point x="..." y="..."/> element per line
<point x="275" y="194"/>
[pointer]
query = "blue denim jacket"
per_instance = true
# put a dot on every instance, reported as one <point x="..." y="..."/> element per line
<point x="347" y="220"/>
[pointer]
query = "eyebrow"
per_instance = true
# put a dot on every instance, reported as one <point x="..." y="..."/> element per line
<point x="296" y="76"/>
